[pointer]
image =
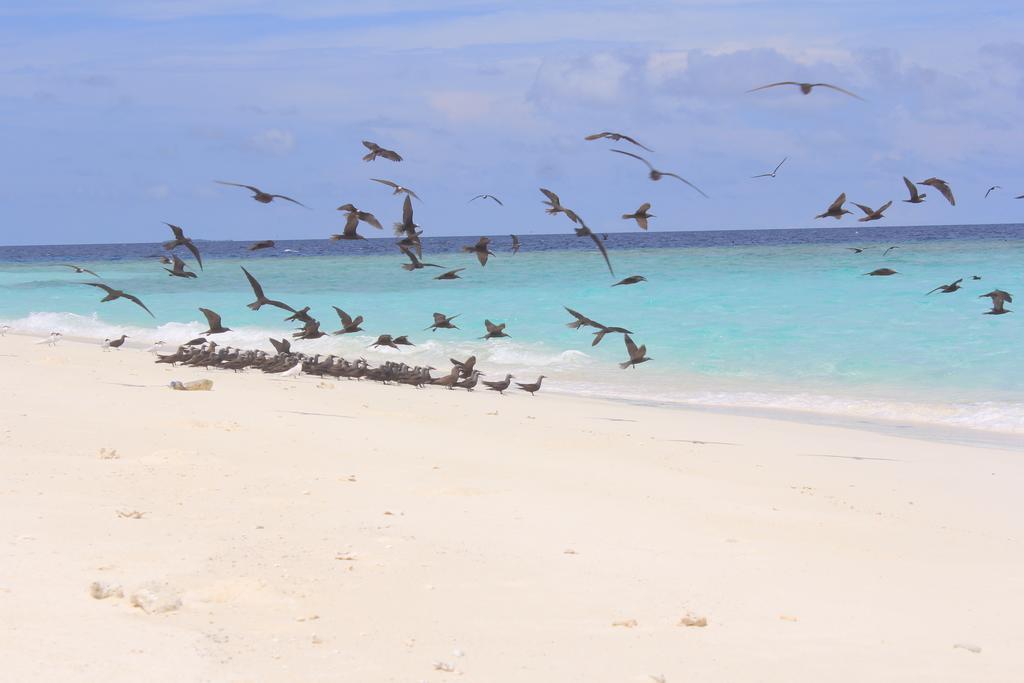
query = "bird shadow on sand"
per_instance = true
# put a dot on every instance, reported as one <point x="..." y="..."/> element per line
<point x="302" y="412"/>
<point x="846" y="457"/>
<point x="613" y="419"/>
<point x="703" y="443"/>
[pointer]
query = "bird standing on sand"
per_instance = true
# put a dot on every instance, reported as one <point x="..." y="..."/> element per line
<point x="3" y="329"/>
<point x="494" y="331"/>
<point x="631" y="280"/>
<point x="78" y="269"/>
<point x="882" y="272"/>
<point x="51" y="339"/>
<point x="465" y="367"/>
<point x="481" y="250"/>
<point x="450" y="275"/>
<point x="348" y="323"/>
<point x="114" y="343"/>
<point x="943" y="187"/>
<point x="378" y="151"/>
<point x="640" y="215"/>
<point x="181" y="241"/>
<point x="113" y="294"/>
<point x="261" y="196"/>
<point x="948" y="289"/>
<point x="655" y="174"/>
<point x="487" y="196"/>
<point x="499" y="386"/>
<point x="806" y="88"/>
<point x="178" y="269"/>
<point x="872" y="214"/>
<point x="637" y="354"/>
<point x="532" y="388"/>
<point x="771" y="173"/>
<point x="261" y="299"/>
<point x="398" y="189"/>
<point x="515" y="244"/>
<point x="915" y="196"/>
<point x="213" y="319"/>
<point x="835" y="209"/>
<point x="443" y="322"/>
<point x="615" y="137"/>
<point x="999" y="298"/>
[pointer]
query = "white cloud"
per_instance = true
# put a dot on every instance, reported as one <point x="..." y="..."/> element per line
<point x="273" y="141"/>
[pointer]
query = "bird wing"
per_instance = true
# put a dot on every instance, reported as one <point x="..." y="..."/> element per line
<point x="866" y="209"/>
<point x="936" y="289"/>
<point x="351" y="223"/>
<point x="838" y="203"/>
<point x="635" y="156"/>
<point x="390" y="155"/>
<point x="912" y="187"/>
<point x="604" y="252"/>
<point x="372" y="146"/>
<point x="256" y="288"/>
<point x="838" y="89"/>
<point x="86" y="270"/>
<point x="773" y="85"/>
<point x="368" y="217"/>
<point x="407" y="221"/>
<point x="251" y="188"/>
<point x="179" y="265"/>
<point x="107" y="288"/>
<point x="943" y="189"/>
<point x="179" y="234"/>
<point x="679" y="177"/>
<point x="500" y="203"/>
<point x="212" y="318"/>
<point x="412" y="256"/>
<point x="631" y="348"/>
<point x="596" y="136"/>
<point x="137" y="300"/>
<point x="885" y="206"/>
<point x="642" y="222"/>
<point x="780" y="165"/>
<point x="492" y="328"/>
<point x="385" y="182"/>
<point x="515" y="240"/>
<point x="195" y="252"/>
<point x="551" y="196"/>
<point x="629" y="139"/>
<point x="289" y="199"/>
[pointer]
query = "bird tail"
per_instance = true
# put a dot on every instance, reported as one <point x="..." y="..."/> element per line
<point x="408" y="266"/>
<point x="626" y="364"/>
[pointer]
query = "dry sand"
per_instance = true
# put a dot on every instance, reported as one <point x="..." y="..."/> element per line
<point x="310" y="530"/>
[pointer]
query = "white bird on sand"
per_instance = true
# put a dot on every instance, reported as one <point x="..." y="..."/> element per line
<point x="155" y="348"/>
<point x="51" y="340"/>
<point x="3" y="330"/>
<point x="293" y="371"/>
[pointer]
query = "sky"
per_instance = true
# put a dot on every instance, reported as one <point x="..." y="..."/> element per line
<point x="118" y="115"/>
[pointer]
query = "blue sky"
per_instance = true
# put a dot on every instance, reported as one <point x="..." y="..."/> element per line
<point x="119" y="115"/>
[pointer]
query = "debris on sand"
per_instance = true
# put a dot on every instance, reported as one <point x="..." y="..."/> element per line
<point x="626" y="623"/>
<point x="691" y="620"/>
<point x="155" y="598"/>
<point x="970" y="647"/>
<point x="101" y="590"/>
<point x="104" y="454"/>
<point x="130" y="514"/>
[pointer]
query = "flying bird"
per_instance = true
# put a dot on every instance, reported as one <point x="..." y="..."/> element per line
<point x="948" y="289"/>
<point x="213" y="319"/>
<point x="415" y="263"/>
<point x="261" y="196"/>
<point x="378" y="151"/>
<point x="584" y="231"/>
<point x="615" y="137"/>
<point x="656" y="174"/>
<point x="487" y="196"/>
<point x="515" y="244"/>
<point x="261" y="299"/>
<point x="408" y="227"/>
<point x="494" y="331"/>
<point x="554" y="205"/>
<point x="886" y="252"/>
<point x="311" y="330"/>
<point x="398" y="189"/>
<point x="989" y="190"/>
<point x="113" y="294"/>
<point x="181" y="241"/>
<point x="178" y="270"/>
<point x="481" y="250"/>
<point x="882" y="272"/>
<point x="262" y="244"/>
<point x="806" y="88"/>
<point x="856" y="250"/>
<point x="771" y="174"/>
<point x="360" y="216"/>
<point x="999" y="298"/>
<point x="872" y="214"/>
<point x="384" y="340"/>
<point x="443" y="322"/>
<point x="835" y="209"/>
<point x="943" y="187"/>
<point x="450" y="275"/>
<point x="631" y="280"/>
<point x="348" y="323"/>
<point x="915" y="196"/>
<point x="301" y="315"/>
<point x="640" y="215"/>
<point x="637" y="354"/>
<point x="78" y="269"/>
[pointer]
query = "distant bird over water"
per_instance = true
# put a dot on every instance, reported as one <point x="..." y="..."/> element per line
<point x="835" y="209"/>
<point x="615" y="137"/>
<point x="872" y="214"/>
<point x="261" y="196"/>
<point x="262" y="244"/>
<point x="806" y="88"/>
<point x="113" y="294"/>
<point x="78" y="269"/>
<point x="637" y="354"/>
<point x="655" y="174"/>
<point x="450" y="275"/>
<point x="886" y="252"/>
<point x="915" y="196"/>
<point x="771" y="174"/>
<point x="631" y="280"/>
<point x="882" y="272"/>
<point x="943" y="187"/>
<point x="261" y="299"/>
<point x="640" y="215"/>
<point x="554" y="205"/>
<point x="378" y="151"/>
<point x="481" y="250"/>
<point x="948" y="289"/>
<point x="181" y="241"/>
<point x="999" y="298"/>
<point x="443" y="322"/>
<point x="584" y="231"/>
<point x="494" y="331"/>
<point x="348" y="323"/>
<point x="415" y="263"/>
<point x="178" y="269"/>
<point x="515" y="244"/>
<point x="487" y="196"/>
<point x="856" y="250"/>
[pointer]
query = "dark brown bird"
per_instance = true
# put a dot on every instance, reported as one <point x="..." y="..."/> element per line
<point x="494" y="331"/>
<point x="886" y="252"/>
<point x="487" y="196"/>
<point x="78" y="269"/>
<point x="532" y="388"/>
<point x="499" y="386"/>
<point x="481" y="250"/>
<point x="415" y="263"/>
<point x="443" y="322"/>
<point x="116" y="343"/>
<point x="915" y="196"/>
<point x="806" y="88"/>
<point x="281" y="345"/>
<point x="178" y="269"/>
<point x="856" y="250"/>
<point x="407" y="227"/>
<point x="213" y="320"/>
<point x="615" y="137"/>
<point x="584" y="231"/>
<point x="198" y="341"/>
<point x="835" y="210"/>
<point x="640" y="215"/>
<point x="999" y="298"/>
<point x="181" y="241"/>
<point x="360" y="216"/>
<point x="882" y="272"/>
<point x="872" y="214"/>
<point x="449" y="380"/>
<point x="263" y="197"/>
<point x="311" y="330"/>
<point x="655" y="174"/>
<point x="948" y="289"/>
<point x="637" y="354"/>
<point x="348" y="323"/>
<point x="554" y="205"/>
<point x="403" y="341"/>
<point x="378" y="151"/>
<point x="581" y="320"/>
<point x="515" y="244"/>
<point x="943" y="187"/>
<point x="261" y="299"/>
<point x="302" y="315"/>
<point x="631" y="280"/>
<point x="384" y="340"/>
<point x="450" y="275"/>
<point x="262" y="244"/>
<point x="398" y="189"/>
<point x="465" y="366"/>
<point x="113" y="294"/>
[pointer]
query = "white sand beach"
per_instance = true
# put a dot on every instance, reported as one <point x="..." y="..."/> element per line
<point x="319" y="530"/>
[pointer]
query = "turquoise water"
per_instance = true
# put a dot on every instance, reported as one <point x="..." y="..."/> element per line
<point x="770" y="321"/>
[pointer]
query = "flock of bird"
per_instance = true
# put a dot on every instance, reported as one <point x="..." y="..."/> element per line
<point x="203" y="352"/>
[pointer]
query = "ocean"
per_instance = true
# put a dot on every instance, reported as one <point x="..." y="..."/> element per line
<point x="748" y="319"/>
